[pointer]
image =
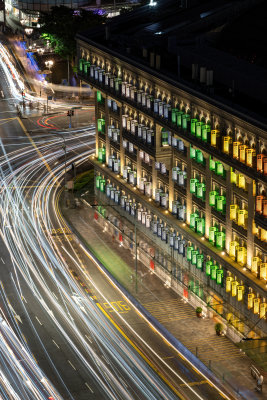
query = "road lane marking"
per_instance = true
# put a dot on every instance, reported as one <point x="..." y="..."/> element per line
<point x="105" y="359"/>
<point x="193" y="383"/>
<point x="88" y="338"/>
<point x="2" y="261"/>
<point x="38" y="320"/>
<point x="91" y="390"/>
<point x="55" y="343"/>
<point x="71" y="364"/>
<point x="17" y="317"/>
<point x="122" y="381"/>
<point x="118" y="306"/>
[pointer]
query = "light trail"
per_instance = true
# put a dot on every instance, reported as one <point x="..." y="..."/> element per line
<point x="20" y="376"/>
<point x="16" y="85"/>
<point x="32" y="248"/>
<point x="27" y="222"/>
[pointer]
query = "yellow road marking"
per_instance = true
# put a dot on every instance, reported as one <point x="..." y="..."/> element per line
<point x="194" y="383"/>
<point x="36" y="148"/>
<point x="223" y="395"/>
<point x="7" y="119"/>
<point x="58" y="210"/>
<point x="118" y="306"/>
<point x="140" y="353"/>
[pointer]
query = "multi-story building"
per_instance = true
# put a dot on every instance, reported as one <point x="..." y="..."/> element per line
<point x="24" y="13"/>
<point x="191" y="169"/>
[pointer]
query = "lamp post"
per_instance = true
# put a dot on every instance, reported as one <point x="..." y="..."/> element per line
<point x="135" y="247"/>
<point x="43" y="85"/>
<point x="28" y="32"/>
<point x="135" y="241"/>
<point x="64" y="147"/>
<point x="49" y="64"/>
<point x="70" y="113"/>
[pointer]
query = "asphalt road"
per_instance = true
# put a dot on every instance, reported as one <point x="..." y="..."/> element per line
<point x="71" y="332"/>
<point x="42" y="337"/>
<point x="85" y="353"/>
<point x="50" y="346"/>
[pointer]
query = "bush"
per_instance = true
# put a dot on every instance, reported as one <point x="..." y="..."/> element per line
<point x="198" y="310"/>
<point x="83" y="179"/>
<point x="218" y="327"/>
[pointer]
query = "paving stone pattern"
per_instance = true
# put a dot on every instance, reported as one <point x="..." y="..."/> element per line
<point x="222" y="356"/>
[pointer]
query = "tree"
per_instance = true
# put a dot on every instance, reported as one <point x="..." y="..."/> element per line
<point x="61" y="25"/>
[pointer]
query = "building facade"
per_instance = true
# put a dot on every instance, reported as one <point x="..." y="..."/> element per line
<point x="25" y="14"/>
<point x="193" y="174"/>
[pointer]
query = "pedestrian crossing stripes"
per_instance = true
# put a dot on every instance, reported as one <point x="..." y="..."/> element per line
<point x="205" y="345"/>
<point x="217" y="349"/>
<point x="169" y="311"/>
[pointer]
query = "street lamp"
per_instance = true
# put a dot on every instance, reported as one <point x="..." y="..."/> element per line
<point x="49" y="64"/>
<point x="28" y="31"/>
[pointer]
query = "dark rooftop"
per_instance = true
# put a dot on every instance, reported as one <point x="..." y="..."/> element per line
<point x="199" y="32"/>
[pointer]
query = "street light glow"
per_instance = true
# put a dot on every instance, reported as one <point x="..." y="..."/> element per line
<point x="49" y="63"/>
<point x="28" y="31"/>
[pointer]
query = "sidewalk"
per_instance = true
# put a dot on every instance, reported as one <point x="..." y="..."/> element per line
<point x="218" y="353"/>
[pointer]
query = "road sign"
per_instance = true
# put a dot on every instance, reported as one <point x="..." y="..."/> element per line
<point x="49" y="97"/>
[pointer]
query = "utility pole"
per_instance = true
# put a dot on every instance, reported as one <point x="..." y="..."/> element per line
<point x="70" y="113"/>
<point x="23" y="98"/>
<point x="68" y="71"/>
<point x="64" y="147"/>
<point x="135" y="240"/>
<point x="4" y="14"/>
